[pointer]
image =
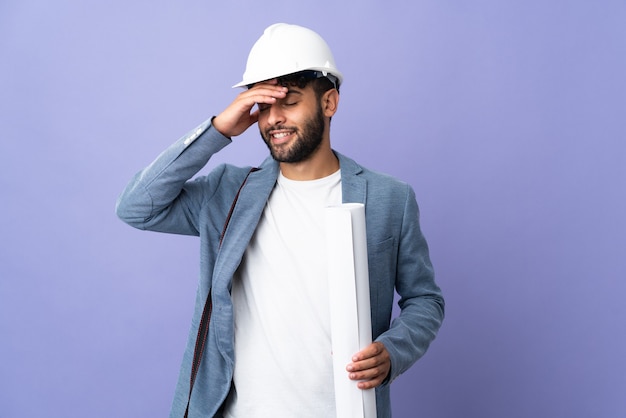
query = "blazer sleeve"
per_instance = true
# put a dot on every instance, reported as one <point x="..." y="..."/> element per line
<point x="161" y="197"/>
<point x="421" y="301"/>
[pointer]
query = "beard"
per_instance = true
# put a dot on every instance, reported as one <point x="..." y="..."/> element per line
<point x="307" y="140"/>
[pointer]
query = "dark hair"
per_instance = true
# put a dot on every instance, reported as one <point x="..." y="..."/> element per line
<point x="321" y="83"/>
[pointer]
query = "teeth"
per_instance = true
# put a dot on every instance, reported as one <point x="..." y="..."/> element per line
<point x="281" y="135"/>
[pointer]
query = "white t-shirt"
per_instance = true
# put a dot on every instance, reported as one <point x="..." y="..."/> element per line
<point x="283" y="363"/>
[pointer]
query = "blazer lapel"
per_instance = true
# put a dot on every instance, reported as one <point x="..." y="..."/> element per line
<point x="353" y="187"/>
<point x="245" y="218"/>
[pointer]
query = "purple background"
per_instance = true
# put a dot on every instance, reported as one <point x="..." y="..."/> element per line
<point x="508" y="118"/>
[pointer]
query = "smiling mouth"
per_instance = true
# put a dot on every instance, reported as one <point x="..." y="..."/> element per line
<point x="280" y="136"/>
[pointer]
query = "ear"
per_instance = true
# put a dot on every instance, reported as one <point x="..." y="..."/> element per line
<point x="330" y="102"/>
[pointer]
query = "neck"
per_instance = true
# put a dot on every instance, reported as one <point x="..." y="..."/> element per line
<point x="321" y="163"/>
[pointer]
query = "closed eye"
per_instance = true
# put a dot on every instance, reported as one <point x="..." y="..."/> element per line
<point x="292" y="98"/>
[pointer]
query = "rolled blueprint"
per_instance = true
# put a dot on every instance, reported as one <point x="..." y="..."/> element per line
<point x="350" y="317"/>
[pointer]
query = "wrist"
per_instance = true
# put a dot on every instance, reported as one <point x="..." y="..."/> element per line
<point x="217" y="124"/>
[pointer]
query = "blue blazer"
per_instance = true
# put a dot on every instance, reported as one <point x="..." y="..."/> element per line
<point x="162" y="198"/>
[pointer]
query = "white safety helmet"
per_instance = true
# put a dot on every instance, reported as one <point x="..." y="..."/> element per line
<point x="286" y="49"/>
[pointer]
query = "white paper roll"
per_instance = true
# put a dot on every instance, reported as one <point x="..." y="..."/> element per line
<point x="350" y="317"/>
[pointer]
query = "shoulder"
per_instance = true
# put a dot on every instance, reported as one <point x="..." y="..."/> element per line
<point x="376" y="180"/>
<point x="221" y="179"/>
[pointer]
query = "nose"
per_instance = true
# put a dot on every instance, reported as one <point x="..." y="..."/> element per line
<point x="275" y="115"/>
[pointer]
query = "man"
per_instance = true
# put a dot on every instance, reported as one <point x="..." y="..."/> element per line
<point x="267" y="351"/>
